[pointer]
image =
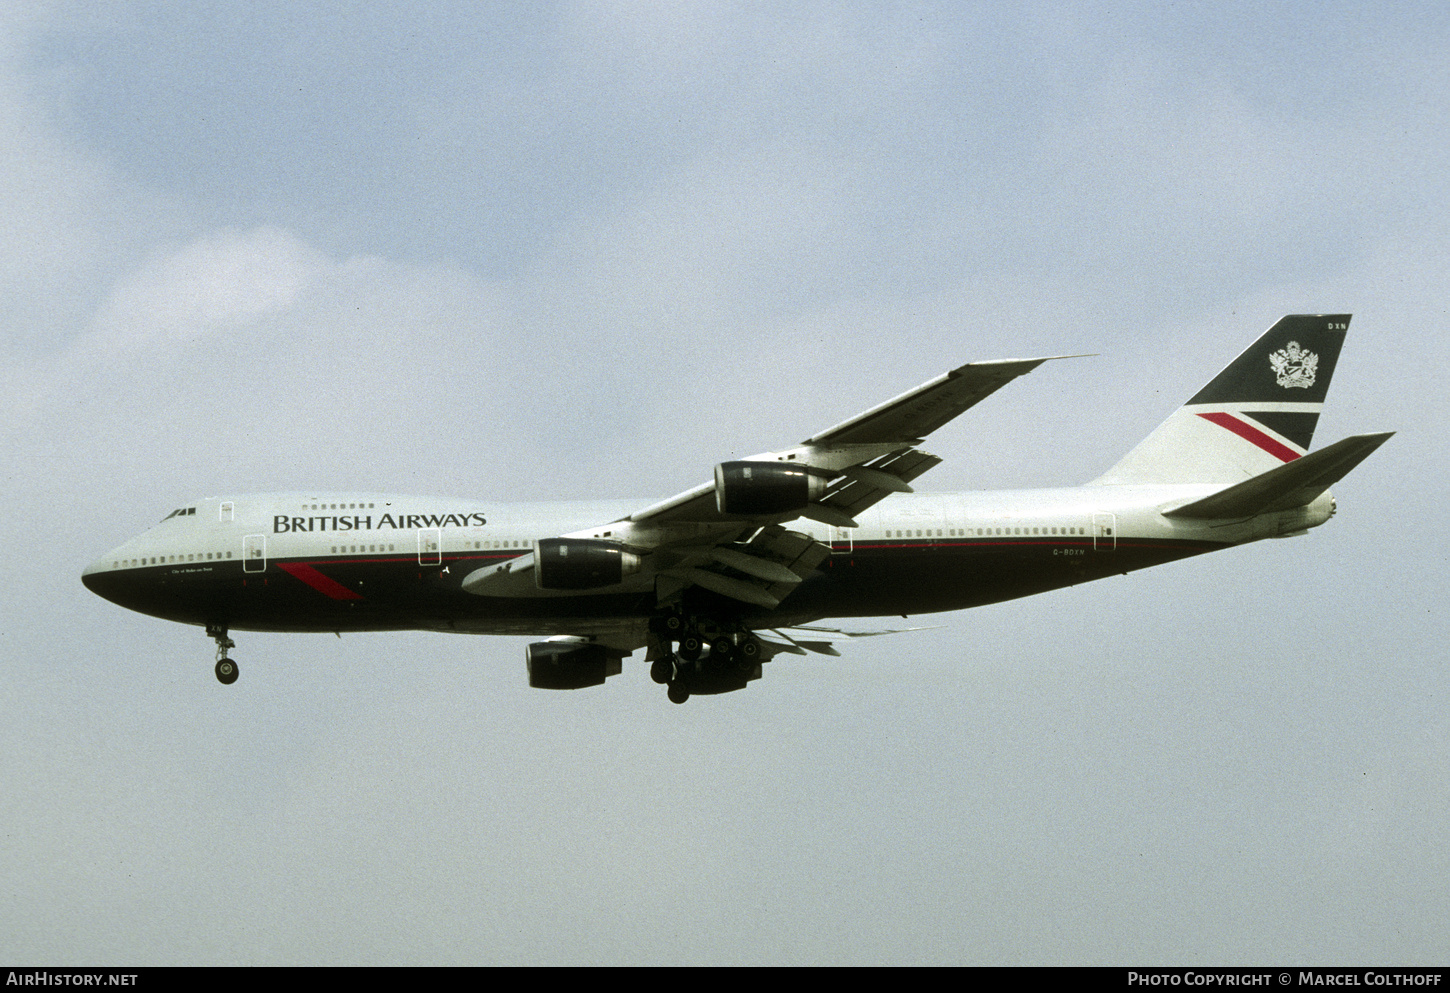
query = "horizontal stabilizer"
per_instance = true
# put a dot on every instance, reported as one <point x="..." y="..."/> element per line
<point x="1294" y="484"/>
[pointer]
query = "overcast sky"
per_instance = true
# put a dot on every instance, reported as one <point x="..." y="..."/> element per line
<point x="589" y="250"/>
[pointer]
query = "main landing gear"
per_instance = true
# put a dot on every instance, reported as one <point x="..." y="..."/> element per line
<point x="226" y="669"/>
<point x="721" y="663"/>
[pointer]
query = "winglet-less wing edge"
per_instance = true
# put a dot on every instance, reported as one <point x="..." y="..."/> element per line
<point x="916" y="413"/>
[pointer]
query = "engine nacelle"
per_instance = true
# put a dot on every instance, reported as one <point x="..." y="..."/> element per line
<point x="580" y="563"/>
<point x="563" y="665"/>
<point x="752" y="489"/>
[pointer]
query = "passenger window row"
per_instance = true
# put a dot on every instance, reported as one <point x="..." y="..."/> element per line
<point x="351" y="549"/>
<point x="169" y="559"/>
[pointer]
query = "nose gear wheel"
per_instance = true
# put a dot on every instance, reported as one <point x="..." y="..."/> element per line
<point x="226" y="668"/>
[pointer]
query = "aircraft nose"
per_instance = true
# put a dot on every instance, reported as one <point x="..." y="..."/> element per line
<point x="100" y="578"/>
<point x="126" y="578"/>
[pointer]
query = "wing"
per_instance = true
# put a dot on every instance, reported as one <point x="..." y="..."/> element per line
<point x="728" y="535"/>
<point x="869" y="456"/>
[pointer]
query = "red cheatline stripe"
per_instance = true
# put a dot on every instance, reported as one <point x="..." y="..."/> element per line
<point x="319" y="582"/>
<point x="1249" y="433"/>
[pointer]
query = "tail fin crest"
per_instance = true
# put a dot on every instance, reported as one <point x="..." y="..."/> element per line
<point x="1258" y="413"/>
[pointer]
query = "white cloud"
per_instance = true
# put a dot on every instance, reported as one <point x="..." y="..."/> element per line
<point x="224" y="281"/>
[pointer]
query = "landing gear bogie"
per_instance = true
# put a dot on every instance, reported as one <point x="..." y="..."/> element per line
<point x="720" y="670"/>
<point x="710" y="655"/>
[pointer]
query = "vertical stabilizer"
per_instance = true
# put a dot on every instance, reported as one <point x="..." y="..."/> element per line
<point x="1259" y="413"/>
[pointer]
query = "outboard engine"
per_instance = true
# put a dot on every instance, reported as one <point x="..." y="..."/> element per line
<point x="751" y="489"/>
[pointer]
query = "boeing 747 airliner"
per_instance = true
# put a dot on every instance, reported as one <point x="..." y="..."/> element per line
<point x="719" y="579"/>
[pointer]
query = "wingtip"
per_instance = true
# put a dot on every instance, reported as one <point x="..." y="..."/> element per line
<point x="1033" y="362"/>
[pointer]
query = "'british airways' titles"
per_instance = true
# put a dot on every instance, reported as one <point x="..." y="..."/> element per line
<point x="282" y="524"/>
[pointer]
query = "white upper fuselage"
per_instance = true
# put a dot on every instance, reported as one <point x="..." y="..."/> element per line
<point x="319" y="526"/>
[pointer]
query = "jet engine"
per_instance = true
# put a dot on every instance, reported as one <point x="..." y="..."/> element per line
<point x="564" y="665"/>
<point x="580" y="563"/>
<point x="751" y="489"/>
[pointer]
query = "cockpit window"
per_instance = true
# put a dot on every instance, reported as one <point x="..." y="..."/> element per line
<point x="179" y="512"/>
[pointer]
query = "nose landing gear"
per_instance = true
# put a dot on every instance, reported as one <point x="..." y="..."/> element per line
<point x="226" y="669"/>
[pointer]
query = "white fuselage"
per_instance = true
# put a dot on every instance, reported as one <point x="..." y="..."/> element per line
<point x="297" y="561"/>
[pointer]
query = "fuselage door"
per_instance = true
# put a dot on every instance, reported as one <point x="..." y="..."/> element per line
<point x="430" y="546"/>
<point x="1105" y="532"/>
<point x="254" y="553"/>
<point x="842" y="540"/>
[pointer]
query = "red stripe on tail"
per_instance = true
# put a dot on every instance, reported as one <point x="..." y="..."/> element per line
<point x="1250" y="433"/>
